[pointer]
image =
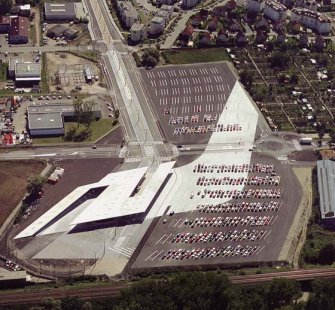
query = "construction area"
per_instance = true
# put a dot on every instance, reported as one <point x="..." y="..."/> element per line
<point x="71" y="73"/>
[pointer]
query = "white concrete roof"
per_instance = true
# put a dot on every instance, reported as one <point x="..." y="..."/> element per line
<point x="115" y="201"/>
<point x="122" y="181"/>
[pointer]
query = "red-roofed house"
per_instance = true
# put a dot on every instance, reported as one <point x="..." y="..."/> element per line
<point x="4" y="24"/>
<point x="19" y="30"/>
<point x="187" y="33"/>
<point x="213" y="24"/>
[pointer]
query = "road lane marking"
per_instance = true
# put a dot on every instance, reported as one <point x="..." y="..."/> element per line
<point x="160" y="238"/>
<point x="150" y="255"/>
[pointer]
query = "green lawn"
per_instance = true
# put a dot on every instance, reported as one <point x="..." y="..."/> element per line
<point x="99" y="128"/>
<point x="195" y="55"/>
<point x="3" y="72"/>
<point x="32" y="34"/>
<point x="44" y="78"/>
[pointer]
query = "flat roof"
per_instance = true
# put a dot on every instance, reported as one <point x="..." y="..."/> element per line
<point x="45" y="120"/>
<point x="6" y="275"/>
<point x="52" y="108"/>
<point x="27" y="69"/>
<point x="326" y="186"/>
<point x="67" y="9"/>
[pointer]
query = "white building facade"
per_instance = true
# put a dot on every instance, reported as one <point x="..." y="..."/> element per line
<point x="274" y="10"/>
<point x="318" y="22"/>
<point x="255" y="6"/>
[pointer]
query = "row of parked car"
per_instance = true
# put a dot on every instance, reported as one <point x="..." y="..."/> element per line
<point x="239" y="207"/>
<point x="238" y="194"/>
<point x="206" y="129"/>
<point x="10" y="264"/>
<point x="235" y="235"/>
<point x="261" y="168"/>
<point x="229" y="221"/>
<point x="226" y="251"/>
<point x="251" y="180"/>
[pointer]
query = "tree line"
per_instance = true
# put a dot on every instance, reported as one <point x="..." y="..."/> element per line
<point x="200" y="290"/>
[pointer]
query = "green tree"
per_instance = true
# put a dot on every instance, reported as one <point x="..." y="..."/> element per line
<point x="35" y="185"/>
<point x="247" y="79"/>
<point x="279" y="59"/>
<point x="294" y="78"/>
<point x="150" y="57"/>
<point x="49" y="303"/>
<point x="83" y="112"/>
<point x="327" y="254"/>
<point x="282" y="292"/>
<point x="5" y="6"/>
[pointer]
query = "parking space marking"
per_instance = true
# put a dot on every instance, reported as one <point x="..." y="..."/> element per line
<point x="177" y="223"/>
<point x="271" y="222"/>
<point x="167" y="238"/>
<point x="160" y="238"/>
<point x="171" y="223"/>
<point x="153" y="253"/>
<point x="267" y="234"/>
<point x="157" y="255"/>
<point x="259" y="250"/>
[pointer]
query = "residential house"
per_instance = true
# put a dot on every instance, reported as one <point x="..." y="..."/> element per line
<point x="281" y="38"/>
<point x="234" y="26"/>
<point x="167" y="8"/>
<point x="205" y="39"/>
<point x="262" y="24"/>
<point x="157" y="25"/>
<point x="279" y="26"/>
<point x="316" y="21"/>
<point x="168" y="2"/>
<point x="222" y="38"/>
<point x="186" y="34"/>
<point x="19" y="30"/>
<point x="213" y="24"/>
<point x="231" y="5"/>
<point x="196" y="21"/>
<point x="255" y="6"/>
<point x="4" y="24"/>
<point x="274" y="10"/>
<point x="137" y="31"/>
<point x="241" y="39"/>
<point x="219" y="10"/>
<point x="303" y="40"/>
<point x="188" y="4"/>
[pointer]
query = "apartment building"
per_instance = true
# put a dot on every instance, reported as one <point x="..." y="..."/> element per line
<point x="274" y="10"/>
<point x="255" y="6"/>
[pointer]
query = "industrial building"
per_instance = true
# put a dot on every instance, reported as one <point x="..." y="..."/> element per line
<point x="326" y="187"/>
<point x="27" y="72"/>
<point x="48" y="120"/>
<point x="19" y="30"/>
<point x="60" y="11"/>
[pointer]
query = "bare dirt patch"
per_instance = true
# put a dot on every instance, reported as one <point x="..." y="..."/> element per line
<point x="14" y="176"/>
<point x="67" y="71"/>
<point x="305" y="155"/>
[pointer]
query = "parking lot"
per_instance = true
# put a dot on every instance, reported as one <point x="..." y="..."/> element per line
<point x="231" y="224"/>
<point x="188" y="100"/>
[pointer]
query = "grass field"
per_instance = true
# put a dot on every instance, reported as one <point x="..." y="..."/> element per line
<point x="3" y="72"/>
<point x="98" y="128"/>
<point x="195" y="56"/>
<point x="14" y="176"/>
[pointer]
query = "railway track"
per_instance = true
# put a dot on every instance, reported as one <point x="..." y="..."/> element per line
<point x="113" y="290"/>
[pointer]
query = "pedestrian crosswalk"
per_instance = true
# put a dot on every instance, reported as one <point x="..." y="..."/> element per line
<point x="134" y="159"/>
<point x="149" y="150"/>
<point x="128" y="252"/>
<point x="147" y="143"/>
<point x="283" y="158"/>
